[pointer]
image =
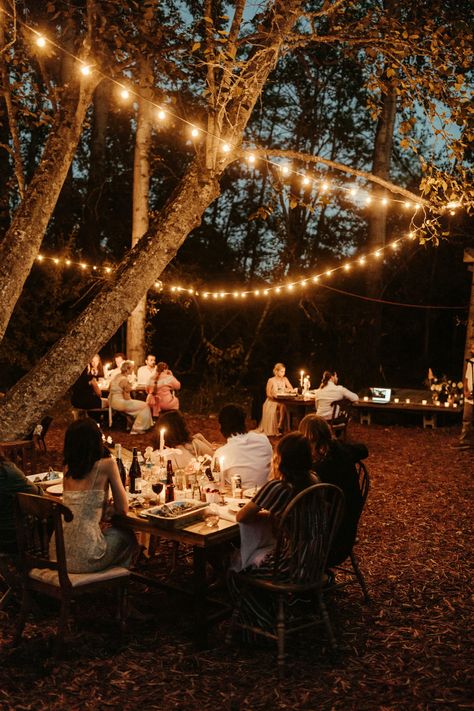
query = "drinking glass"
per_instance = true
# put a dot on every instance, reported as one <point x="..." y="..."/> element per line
<point x="211" y="516"/>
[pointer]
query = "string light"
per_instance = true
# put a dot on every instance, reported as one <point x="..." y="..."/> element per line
<point x="125" y="93"/>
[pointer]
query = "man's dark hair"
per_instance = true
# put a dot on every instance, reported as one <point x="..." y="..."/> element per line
<point x="232" y="420"/>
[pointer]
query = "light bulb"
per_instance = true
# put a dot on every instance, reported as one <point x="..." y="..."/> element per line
<point x="315" y="279"/>
<point x="40" y="41"/>
<point x="285" y="169"/>
<point x="251" y="158"/>
<point x="384" y="201"/>
<point x="347" y="267"/>
<point x="225" y="148"/>
<point x="306" y="180"/>
<point x="362" y="260"/>
<point x="161" y="114"/>
<point x="278" y="289"/>
<point x="85" y="69"/>
<point x="368" y="200"/>
<point x="125" y="94"/>
<point x="324" y="186"/>
<point x="194" y="132"/>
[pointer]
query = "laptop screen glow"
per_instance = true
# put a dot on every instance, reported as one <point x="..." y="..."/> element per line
<point x="380" y="394"/>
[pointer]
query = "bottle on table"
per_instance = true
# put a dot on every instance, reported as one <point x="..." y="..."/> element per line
<point x="120" y="464"/>
<point x="169" y="490"/>
<point x="134" y="473"/>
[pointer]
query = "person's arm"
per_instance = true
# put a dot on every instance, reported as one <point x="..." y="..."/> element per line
<point x="288" y="385"/>
<point x="349" y="395"/>
<point x="119" y="494"/>
<point x="95" y="387"/>
<point x="250" y="512"/>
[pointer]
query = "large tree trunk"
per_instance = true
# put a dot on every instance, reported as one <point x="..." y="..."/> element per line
<point x="141" y="183"/>
<point x="34" y="394"/>
<point x="20" y="244"/>
<point x="378" y="230"/>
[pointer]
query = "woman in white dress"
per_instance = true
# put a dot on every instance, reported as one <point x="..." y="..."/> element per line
<point x="275" y="418"/>
<point x="121" y="400"/>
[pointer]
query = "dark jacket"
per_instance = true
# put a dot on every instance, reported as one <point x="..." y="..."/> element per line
<point x="12" y="481"/>
<point x="338" y="467"/>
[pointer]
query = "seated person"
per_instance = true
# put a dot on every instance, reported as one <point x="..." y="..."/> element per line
<point x="161" y="395"/>
<point x="86" y="394"/>
<point x="121" y="400"/>
<point x="329" y="392"/>
<point x="96" y="367"/>
<point x="248" y="454"/>
<point x="178" y="437"/>
<point x="147" y="372"/>
<point x="12" y="482"/>
<point x="292" y="474"/>
<point x="88" y="475"/>
<point x="117" y="364"/>
<point x="275" y="418"/>
<point x="334" y="463"/>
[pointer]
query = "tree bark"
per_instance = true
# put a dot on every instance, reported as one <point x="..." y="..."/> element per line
<point x="34" y="394"/>
<point x="22" y="240"/>
<point x="140" y="223"/>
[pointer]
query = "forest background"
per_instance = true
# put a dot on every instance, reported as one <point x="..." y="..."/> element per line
<point x="378" y="93"/>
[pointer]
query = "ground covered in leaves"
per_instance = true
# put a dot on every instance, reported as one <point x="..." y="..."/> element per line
<point x="410" y="649"/>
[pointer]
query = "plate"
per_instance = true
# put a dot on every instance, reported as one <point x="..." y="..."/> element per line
<point x="56" y="489"/>
<point x="44" y="479"/>
<point x="250" y="493"/>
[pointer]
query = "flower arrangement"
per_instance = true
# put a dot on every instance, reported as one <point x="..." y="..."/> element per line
<point x="444" y="390"/>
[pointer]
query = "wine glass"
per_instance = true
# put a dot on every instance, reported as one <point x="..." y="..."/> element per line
<point x="157" y="487"/>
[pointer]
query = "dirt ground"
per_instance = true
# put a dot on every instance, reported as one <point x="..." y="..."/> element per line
<point x="410" y="649"/>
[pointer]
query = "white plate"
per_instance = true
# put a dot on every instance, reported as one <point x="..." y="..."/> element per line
<point x="56" y="489"/>
<point x="43" y="477"/>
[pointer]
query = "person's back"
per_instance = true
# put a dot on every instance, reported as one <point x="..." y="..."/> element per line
<point x="248" y="455"/>
<point x="329" y="392"/>
<point x="338" y="468"/>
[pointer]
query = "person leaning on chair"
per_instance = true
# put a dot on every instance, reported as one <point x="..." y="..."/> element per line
<point x="329" y="392"/>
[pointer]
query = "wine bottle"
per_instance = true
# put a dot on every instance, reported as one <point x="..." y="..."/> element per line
<point x="120" y="464"/>
<point x="169" y="491"/>
<point x="135" y="472"/>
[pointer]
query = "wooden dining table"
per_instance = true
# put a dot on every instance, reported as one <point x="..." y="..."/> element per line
<point x="203" y="540"/>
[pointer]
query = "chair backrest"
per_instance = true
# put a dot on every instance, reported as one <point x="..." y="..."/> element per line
<point x="306" y="530"/>
<point x="36" y="519"/>
<point x="364" y="481"/>
<point x="21" y="452"/>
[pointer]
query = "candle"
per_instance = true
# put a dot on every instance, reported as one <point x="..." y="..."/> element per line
<point x="437" y="403"/>
<point x="366" y="399"/>
<point x="221" y="464"/>
<point x="301" y="377"/>
<point x="395" y="399"/>
<point x="162" y="439"/>
<point x="424" y="402"/>
<point x="455" y="404"/>
<point x="446" y="404"/>
<point x="407" y="400"/>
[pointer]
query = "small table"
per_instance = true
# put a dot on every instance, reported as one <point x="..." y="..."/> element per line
<point x="297" y="407"/>
<point x="429" y="411"/>
<point x="202" y="539"/>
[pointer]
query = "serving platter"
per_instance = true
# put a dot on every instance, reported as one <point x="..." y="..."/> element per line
<point x="45" y="479"/>
<point x="176" y="514"/>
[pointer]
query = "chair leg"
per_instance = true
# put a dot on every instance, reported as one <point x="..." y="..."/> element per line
<point x="62" y="626"/>
<point x="281" y="634"/>
<point x="360" y="577"/>
<point x="25" y="608"/>
<point x="327" y="622"/>
<point x="233" y="623"/>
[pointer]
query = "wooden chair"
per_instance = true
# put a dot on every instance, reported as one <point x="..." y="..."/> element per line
<point x="354" y="571"/>
<point x="40" y="436"/>
<point x="21" y="452"/>
<point x="37" y="518"/>
<point x="305" y="533"/>
<point x="341" y="415"/>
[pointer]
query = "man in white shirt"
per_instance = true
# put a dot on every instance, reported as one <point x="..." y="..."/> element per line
<point x="248" y="454"/>
<point x="146" y="372"/>
<point x="119" y="358"/>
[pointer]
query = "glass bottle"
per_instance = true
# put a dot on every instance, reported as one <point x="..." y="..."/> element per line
<point x="120" y="464"/>
<point x="134" y="472"/>
<point x="169" y="490"/>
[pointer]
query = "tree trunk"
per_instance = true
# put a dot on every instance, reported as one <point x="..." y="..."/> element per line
<point x="34" y="394"/>
<point x="22" y="240"/>
<point x="378" y="230"/>
<point x="141" y="183"/>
